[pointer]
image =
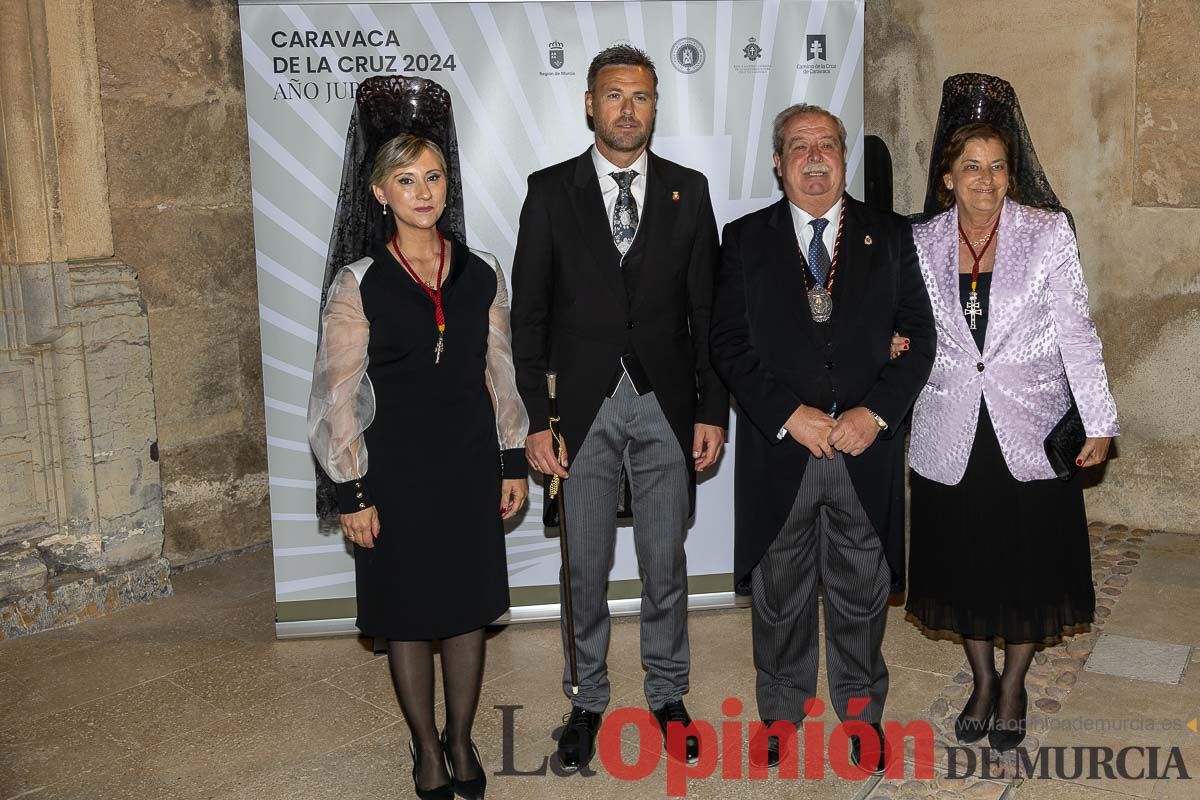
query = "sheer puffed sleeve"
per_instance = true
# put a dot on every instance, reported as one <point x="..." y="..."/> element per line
<point x="341" y="404"/>
<point x="512" y="422"/>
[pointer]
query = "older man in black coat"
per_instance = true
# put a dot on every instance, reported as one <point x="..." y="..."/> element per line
<point x="801" y="337"/>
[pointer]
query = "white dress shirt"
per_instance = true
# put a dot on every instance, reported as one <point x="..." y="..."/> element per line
<point x="804" y="231"/>
<point x="608" y="184"/>
<point x="609" y="191"/>
<point x="804" y="234"/>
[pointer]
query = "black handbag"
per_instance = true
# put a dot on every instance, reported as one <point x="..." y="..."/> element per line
<point x="1064" y="442"/>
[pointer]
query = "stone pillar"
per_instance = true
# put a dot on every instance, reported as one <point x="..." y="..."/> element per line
<point x="80" y="496"/>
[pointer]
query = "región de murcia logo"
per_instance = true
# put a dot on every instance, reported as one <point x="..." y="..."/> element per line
<point x="556" y="55"/>
<point x="556" y="52"/>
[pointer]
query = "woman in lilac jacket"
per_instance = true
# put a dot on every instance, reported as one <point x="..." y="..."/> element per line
<point x="999" y="545"/>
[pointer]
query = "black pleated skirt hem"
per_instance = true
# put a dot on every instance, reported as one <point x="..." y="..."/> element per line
<point x="994" y="557"/>
<point x="936" y="624"/>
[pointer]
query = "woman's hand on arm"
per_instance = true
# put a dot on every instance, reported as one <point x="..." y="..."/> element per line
<point x="1095" y="451"/>
<point x="899" y="345"/>
<point x="513" y="492"/>
<point x="361" y="527"/>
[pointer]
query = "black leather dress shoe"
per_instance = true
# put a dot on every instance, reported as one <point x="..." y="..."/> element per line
<point x="577" y="744"/>
<point x="856" y="752"/>
<point x="772" y="753"/>
<point x="1007" y="734"/>
<point x="969" y="731"/>
<point x="676" y="712"/>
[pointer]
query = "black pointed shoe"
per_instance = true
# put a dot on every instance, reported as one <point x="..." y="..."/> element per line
<point x="969" y="731"/>
<point x="577" y="744"/>
<point x="676" y="712"/>
<point x="856" y="752"/>
<point x="443" y="792"/>
<point x="1006" y="735"/>
<point x="471" y="788"/>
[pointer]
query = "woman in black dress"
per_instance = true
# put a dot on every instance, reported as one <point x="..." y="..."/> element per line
<point x="415" y="369"/>
<point x="999" y="545"/>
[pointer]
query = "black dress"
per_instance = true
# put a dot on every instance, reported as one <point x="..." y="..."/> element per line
<point x="993" y="556"/>
<point x="438" y="567"/>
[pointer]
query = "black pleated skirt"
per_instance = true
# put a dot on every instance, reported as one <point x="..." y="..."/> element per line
<point x="996" y="557"/>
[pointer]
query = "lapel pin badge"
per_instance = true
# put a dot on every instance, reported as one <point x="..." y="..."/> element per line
<point x="675" y="196"/>
<point x="867" y="240"/>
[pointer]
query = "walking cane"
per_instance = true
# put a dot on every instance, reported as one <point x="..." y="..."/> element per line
<point x="556" y="494"/>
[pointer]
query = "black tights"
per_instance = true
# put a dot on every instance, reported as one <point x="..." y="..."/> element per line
<point x="1017" y="658"/>
<point x="411" y="663"/>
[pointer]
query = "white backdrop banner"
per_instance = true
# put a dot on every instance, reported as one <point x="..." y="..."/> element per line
<point x="517" y="75"/>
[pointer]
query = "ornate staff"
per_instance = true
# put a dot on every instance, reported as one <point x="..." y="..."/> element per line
<point x="556" y="493"/>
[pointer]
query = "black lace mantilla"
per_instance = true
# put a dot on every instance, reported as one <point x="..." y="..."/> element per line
<point x="385" y="107"/>
<point x="975" y="97"/>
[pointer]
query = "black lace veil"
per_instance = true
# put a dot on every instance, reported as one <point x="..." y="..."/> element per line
<point x="975" y="97"/>
<point x="385" y="106"/>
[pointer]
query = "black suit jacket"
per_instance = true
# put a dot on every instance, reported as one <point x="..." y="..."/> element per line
<point x="575" y="312"/>
<point x="774" y="358"/>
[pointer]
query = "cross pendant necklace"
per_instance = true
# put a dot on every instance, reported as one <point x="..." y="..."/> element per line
<point x="973" y="309"/>
<point x="434" y="290"/>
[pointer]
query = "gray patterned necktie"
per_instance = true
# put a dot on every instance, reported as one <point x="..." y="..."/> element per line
<point x="625" y="212"/>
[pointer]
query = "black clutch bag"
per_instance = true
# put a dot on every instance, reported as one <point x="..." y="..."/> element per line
<point x="1064" y="442"/>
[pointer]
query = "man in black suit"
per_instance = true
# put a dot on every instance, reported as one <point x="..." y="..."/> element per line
<point x="612" y="289"/>
<point x="801" y="337"/>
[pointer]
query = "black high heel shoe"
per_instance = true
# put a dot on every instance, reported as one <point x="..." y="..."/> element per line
<point x="443" y="792"/>
<point x="1006" y="736"/>
<point x="473" y="788"/>
<point x="969" y="731"/>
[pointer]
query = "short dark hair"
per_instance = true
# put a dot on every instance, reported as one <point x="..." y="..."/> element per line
<point x="954" y="148"/>
<point x="620" y="55"/>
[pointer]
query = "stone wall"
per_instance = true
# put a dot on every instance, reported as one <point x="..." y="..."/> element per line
<point x="81" y="523"/>
<point x="1109" y="92"/>
<point x="178" y="168"/>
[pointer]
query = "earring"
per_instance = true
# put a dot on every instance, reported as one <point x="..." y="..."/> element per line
<point x="384" y="204"/>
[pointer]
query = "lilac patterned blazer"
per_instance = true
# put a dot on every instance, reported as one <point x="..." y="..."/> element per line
<point x="1040" y="346"/>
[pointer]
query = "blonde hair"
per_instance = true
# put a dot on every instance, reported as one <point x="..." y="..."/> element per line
<point x="401" y="152"/>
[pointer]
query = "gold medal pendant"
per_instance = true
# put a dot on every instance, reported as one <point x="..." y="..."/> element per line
<point x="820" y="302"/>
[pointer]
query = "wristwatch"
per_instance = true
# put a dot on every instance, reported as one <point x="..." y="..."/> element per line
<point x="883" y="426"/>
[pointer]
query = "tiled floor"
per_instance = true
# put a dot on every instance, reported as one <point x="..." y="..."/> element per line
<point x="194" y="698"/>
